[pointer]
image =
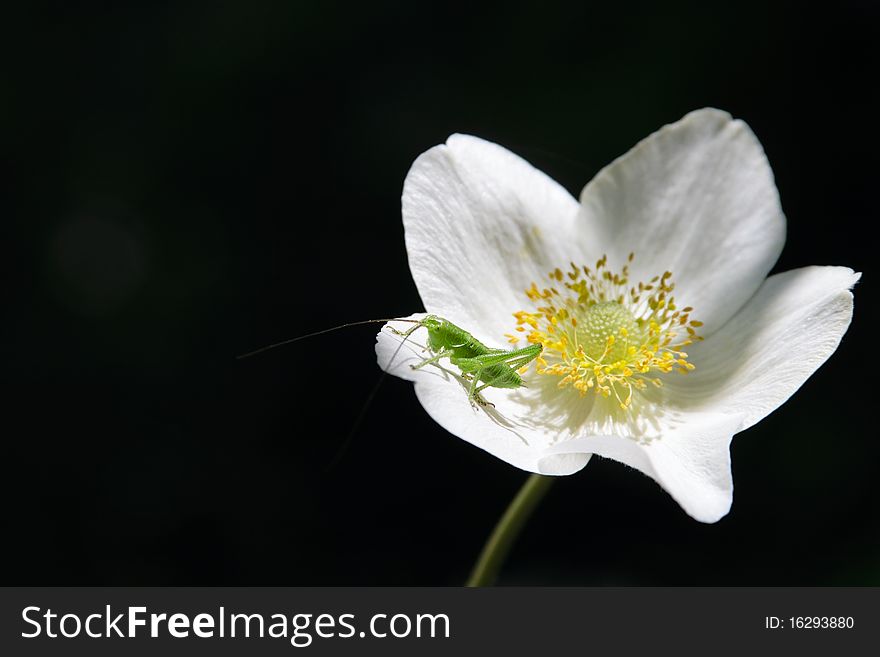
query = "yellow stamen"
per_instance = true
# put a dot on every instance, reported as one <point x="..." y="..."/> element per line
<point x="605" y="335"/>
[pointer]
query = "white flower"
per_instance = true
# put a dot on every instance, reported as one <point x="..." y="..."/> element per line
<point x="696" y="199"/>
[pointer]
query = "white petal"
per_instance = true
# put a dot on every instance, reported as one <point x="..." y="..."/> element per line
<point x="766" y="352"/>
<point x="481" y="224"/>
<point x="689" y="459"/>
<point x="696" y="198"/>
<point x="502" y="431"/>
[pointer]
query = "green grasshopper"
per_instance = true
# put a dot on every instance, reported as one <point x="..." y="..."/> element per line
<point x="479" y="364"/>
<point x="494" y="368"/>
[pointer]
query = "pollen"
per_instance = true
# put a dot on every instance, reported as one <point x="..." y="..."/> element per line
<point x="603" y="334"/>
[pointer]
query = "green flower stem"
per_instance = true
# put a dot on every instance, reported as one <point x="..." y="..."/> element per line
<point x="507" y="530"/>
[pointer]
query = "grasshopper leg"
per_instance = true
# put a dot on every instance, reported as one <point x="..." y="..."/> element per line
<point x="408" y="332"/>
<point x="474" y="392"/>
<point x="481" y="400"/>
<point x="433" y="359"/>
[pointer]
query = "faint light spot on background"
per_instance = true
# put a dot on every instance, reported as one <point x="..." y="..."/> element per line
<point x="97" y="263"/>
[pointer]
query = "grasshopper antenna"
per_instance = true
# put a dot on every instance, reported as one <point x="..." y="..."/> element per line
<point x="322" y="332"/>
<point x="349" y="437"/>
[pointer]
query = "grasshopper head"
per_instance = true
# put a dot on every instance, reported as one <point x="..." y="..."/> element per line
<point x="432" y="322"/>
<point x="435" y="325"/>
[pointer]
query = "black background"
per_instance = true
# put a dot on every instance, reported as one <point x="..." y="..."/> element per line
<point x="189" y="181"/>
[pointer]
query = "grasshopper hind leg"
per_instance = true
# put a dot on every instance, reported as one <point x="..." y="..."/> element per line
<point x="474" y="395"/>
<point x="481" y="401"/>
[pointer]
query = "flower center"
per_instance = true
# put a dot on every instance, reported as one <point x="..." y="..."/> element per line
<point x="598" y="327"/>
<point x="602" y="334"/>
